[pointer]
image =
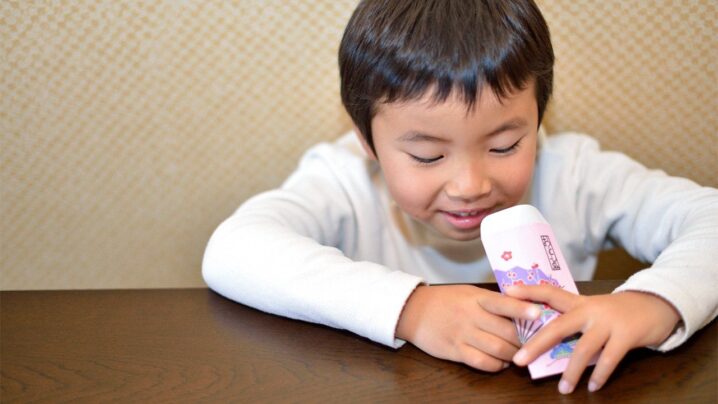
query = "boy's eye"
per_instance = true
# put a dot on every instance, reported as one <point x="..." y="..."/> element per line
<point x="507" y="149"/>
<point x="422" y="160"/>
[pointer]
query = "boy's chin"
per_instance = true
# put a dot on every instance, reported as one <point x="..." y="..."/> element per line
<point x="465" y="237"/>
<point x="456" y="235"/>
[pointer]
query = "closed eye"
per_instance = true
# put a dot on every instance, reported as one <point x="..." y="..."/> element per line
<point x="422" y="160"/>
<point x="509" y="149"/>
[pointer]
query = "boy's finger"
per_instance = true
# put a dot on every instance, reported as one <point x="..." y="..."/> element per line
<point x="548" y="337"/>
<point x="509" y="307"/>
<point x="584" y="351"/>
<point x="611" y="356"/>
<point x="501" y="327"/>
<point x="480" y="360"/>
<point x="493" y="345"/>
<point x="555" y="297"/>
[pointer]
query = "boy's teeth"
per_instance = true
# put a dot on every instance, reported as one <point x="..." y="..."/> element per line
<point x="464" y="214"/>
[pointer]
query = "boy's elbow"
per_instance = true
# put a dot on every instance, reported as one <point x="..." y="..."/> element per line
<point x="233" y="250"/>
<point x="209" y="268"/>
<point x="215" y="259"/>
<point x="209" y="265"/>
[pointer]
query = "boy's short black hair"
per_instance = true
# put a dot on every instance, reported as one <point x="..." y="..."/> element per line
<point x="395" y="50"/>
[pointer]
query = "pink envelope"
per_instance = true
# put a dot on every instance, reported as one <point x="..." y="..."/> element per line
<point x="523" y="250"/>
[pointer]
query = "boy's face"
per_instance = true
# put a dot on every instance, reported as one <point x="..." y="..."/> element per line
<point x="448" y="168"/>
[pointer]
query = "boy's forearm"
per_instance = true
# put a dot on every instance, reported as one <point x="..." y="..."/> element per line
<point x="278" y="271"/>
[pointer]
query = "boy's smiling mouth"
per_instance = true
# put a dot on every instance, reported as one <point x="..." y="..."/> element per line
<point x="465" y="219"/>
<point x="464" y="213"/>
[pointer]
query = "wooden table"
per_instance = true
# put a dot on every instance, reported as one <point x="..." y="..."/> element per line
<point x="195" y="346"/>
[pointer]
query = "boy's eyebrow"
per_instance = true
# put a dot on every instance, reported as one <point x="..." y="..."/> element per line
<point x="511" y="124"/>
<point x="416" y="136"/>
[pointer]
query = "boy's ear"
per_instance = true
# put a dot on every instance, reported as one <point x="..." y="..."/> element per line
<point x="369" y="152"/>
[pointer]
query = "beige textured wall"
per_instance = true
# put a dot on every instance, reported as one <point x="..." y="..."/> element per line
<point x="641" y="76"/>
<point x="131" y="129"/>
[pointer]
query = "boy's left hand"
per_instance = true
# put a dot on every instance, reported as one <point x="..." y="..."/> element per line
<point x="615" y="323"/>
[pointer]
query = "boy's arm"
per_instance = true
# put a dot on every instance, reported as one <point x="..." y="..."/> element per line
<point x="685" y="244"/>
<point x="277" y="254"/>
<point x="669" y="221"/>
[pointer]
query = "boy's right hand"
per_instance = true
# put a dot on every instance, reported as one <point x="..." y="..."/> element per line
<point x="464" y="323"/>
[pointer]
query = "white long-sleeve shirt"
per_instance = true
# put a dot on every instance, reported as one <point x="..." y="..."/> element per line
<point x="331" y="247"/>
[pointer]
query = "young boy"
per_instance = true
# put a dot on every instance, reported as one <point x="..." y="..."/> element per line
<point x="447" y="98"/>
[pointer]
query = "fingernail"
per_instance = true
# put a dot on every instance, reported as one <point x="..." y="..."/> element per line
<point x="520" y="357"/>
<point x="593" y="386"/>
<point x="534" y="312"/>
<point x="565" y="387"/>
<point x="506" y="364"/>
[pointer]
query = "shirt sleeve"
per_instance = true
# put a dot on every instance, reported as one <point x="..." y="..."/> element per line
<point x="280" y="253"/>
<point x="671" y="222"/>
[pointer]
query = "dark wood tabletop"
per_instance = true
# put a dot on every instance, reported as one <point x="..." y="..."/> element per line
<point x="191" y="345"/>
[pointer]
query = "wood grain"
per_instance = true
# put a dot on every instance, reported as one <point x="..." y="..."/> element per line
<point x="194" y="346"/>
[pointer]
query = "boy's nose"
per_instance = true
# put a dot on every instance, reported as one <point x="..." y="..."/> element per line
<point x="469" y="183"/>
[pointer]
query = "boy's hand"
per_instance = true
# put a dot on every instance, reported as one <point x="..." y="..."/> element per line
<point x="465" y="324"/>
<point x="615" y="323"/>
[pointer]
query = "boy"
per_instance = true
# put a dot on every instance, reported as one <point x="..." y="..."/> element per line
<point x="447" y="98"/>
